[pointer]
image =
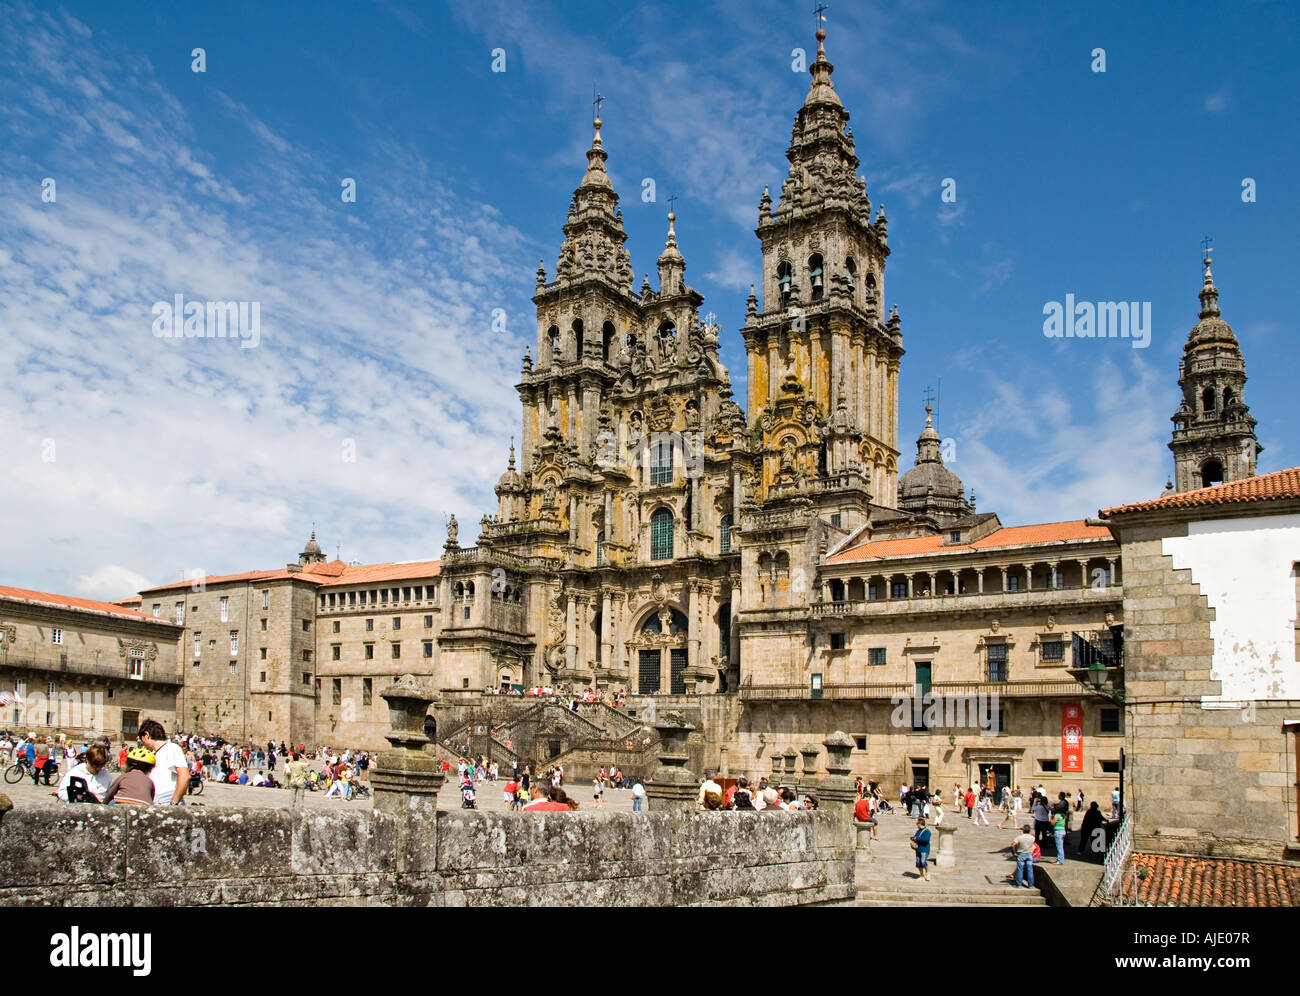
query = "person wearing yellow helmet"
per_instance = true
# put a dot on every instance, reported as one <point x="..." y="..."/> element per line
<point x="134" y="785"/>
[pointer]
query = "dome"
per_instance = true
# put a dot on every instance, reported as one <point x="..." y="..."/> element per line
<point x="932" y="479"/>
<point x="511" y="480"/>
<point x="930" y="488"/>
<point x="312" y="546"/>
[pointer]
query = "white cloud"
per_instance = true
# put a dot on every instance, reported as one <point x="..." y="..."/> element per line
<point x="109" y="583"/>
<point x="1216" y="103"/>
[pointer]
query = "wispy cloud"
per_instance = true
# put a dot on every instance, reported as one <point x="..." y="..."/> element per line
<point x="1216" y="103"/>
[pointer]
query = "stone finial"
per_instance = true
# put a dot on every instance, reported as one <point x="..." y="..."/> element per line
<point x="839" y="747"/>
<point x="811" y="753"/>
<point x="408" y="701"/>
<point x="674" y="785"/>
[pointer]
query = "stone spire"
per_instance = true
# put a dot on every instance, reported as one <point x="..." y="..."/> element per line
<point x="593" y="234"/>
<point x="1214" y="434"/>
<point x="672" y="265"/>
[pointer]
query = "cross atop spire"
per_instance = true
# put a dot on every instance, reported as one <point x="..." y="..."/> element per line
<point x="597" y="99"/>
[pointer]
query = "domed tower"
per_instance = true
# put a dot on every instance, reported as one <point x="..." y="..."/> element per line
<point x="311" y="553"/>
<point x="930" y="488"/>
<point x="1214" y="434"/>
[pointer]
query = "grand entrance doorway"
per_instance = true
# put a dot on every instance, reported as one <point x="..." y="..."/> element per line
<point x="995" y="777"/>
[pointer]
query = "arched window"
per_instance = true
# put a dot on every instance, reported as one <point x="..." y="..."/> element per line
<point x="600" y="547"/>
<point x="596" y="629"/>
<point x="661" y="535"/>
<point x="851" y="271"/>
<point x="469" y="589"/>
<point x="1207" y="400"/>
<point x="784" y="280"/>
<point x="607" y="341"/>
<point x="661" y="460"/>
<point x="1211" y="473"/>
<point x="724" y="545"/>
<point x="677" y="624"/>
<point x="816" y="280"/>
<point x="1228" y="398"/>
<point x="577" y="339"/>
<point x="553" y="342"/>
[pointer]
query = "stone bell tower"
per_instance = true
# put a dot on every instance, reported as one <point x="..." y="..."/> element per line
<point x="823" y="358"/>
<point x="1214" y="434"/>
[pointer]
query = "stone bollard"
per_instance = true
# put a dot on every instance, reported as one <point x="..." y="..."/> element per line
<point x="674" y="786"/>
<point x="723" y="770"/>
<point x="788" y="775"/>
<point x="774" y="778"/>
<point x="838" y="792"/>
<point x="945" y="855"/>
<point x="406" y="779"/>
<point x="811" y="753"/>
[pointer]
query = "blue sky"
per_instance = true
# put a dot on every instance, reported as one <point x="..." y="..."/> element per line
<point x="131" y="458"/>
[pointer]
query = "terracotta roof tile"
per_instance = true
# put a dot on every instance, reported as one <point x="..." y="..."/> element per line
<point x="1175" y="880"/>
<point x="329" y="573"/>
<point x="1008" y="536"/>
<point x="79" y="604"/>
<point x="1279" y="485"/>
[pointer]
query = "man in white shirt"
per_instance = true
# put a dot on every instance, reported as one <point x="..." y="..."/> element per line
<point x="707" y="787"/>
<point x="170" y="775"/>
<point x="638" y="796"/>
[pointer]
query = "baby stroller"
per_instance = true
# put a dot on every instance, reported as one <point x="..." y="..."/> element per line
<point x="467" y="797"/>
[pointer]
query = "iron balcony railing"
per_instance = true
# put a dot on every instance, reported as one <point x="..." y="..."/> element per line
<point x="1029" y="688"/>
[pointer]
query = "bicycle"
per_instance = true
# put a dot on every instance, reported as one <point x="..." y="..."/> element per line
<point x="17" y="771"/>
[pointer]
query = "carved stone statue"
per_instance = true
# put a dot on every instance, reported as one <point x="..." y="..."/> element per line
<point x="453" y="531"/>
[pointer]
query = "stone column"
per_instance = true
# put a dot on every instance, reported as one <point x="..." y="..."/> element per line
<point x="1055" y="567"/>
<point x="775" y="777"/>
<point x="606" y="624"/>
<point x="836" y="788"/>
<point x="1004" y="578"/>
<point x="693" y="618"/>
<point x="789" y="773"/>
<point x="723" y="770"/>
<point x="980" y="578"/>
<point x="406" y="779"/>
<point x="1114" y="575"/>
<point x="1084" y="580"/>
<point x="810" y="752"/>
<point x="570" y="631"/>
<point x="674" y="786"/>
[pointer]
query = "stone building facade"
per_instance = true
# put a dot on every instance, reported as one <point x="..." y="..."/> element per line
<point x="1212" y="667"/>
<point x="84" y="668"/>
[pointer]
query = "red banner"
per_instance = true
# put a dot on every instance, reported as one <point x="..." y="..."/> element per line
<point x="1072" y="738"/>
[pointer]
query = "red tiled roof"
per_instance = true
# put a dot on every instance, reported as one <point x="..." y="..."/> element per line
<point x="333" y="572"/>
<point x="1174" y="880"/>
<point x="371" y="573"/>
<point x="1278" y="485"/>
<point x="1008" y="536"/>
<point x="78" y="604"/>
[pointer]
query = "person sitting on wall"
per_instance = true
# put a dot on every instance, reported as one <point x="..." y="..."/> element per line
<point x="92" y="772"/>
<point x="134" y="786"/>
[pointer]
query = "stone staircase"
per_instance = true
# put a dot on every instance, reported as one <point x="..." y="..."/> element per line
<point x="981" y="877"/>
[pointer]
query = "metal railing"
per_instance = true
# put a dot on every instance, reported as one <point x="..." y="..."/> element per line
<point x="1029" y="688"/>
<point x="1116" y="856"/>
<point x="116" y="668"/>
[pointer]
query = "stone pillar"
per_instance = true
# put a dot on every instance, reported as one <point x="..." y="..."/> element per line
<point x="980" y="578"/>
<point x="945" y="855"/>
<point x="406" y="779"/>
<point x="1004" y="578"/>
<point x="674" y="785"/>
<point x="775" y="777"/>
<point x="606" y="628"/>
<point x="789" y="774"/>
<point x="1114" y="575"/>
<point x="723" y="770"/>
<point x="570" y="631"/>
<point x="811" y="753"/>
<point x="837" y="791"/>
<point x="1055" y="568"/>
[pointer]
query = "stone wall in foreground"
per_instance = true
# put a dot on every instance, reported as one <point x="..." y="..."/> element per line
<point x="119" y="856"/>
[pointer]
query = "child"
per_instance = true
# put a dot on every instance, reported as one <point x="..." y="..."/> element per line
<point x="134" y="785"/>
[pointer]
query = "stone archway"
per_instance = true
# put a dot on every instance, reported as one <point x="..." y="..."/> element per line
<point x="658" y="649"/>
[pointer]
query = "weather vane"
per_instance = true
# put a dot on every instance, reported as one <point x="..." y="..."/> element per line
<point x="1205" y="245"/>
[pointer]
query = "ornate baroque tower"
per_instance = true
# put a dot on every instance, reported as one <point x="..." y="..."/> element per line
<point x="822" y="358"/>
<point x="1214" y="433"/>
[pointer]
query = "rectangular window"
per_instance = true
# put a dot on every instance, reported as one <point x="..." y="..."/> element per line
<point x="157" y="609"/>
<point x="419" y="592"/>
<point x="198" y="644"/>
<point x="406" y="594"/>
<point x="262" y="653"/>
<point x="860" y="743"/>
<point x="954" y="536"/>
<point x="898" y="589"/>
<point x="876" y="657"/>
<point x="335" y="652"/>
<point x="331" y="599"/>
<point x="234" y="667"/>
<point x="1110" y="767"/>
<point x="464" y="682"/>
<point x="306" y="656"/>
<point x="383" y="595"/>
<point x="872" y="592"/>
<point x="306" y="625"/>
<point x="428" y="648"/>
<point x="263" y="625"/>
<point x="836" y="519"/>
<point x="837" y="641"/>
<point x="1053" y="650"/>
<point x="1013" y="583"/>
<point x="428" y="622"/>
<point x="180" y="613"/>
<point x="225" y="610"/>
<point x="367" y="685"/>
<point x="234" y="641"/>
<point x="1110" y="721"/>
<point x="336" y="625"/>
<point x="262" y="677"/>
<point x="370" y="625"/>
<point x="397" y="622"/>
<point x="266" y="598"/>
<point x="56" y="635"/>
<point x="369" y="652"/>
<point x="197" y="665"/>
<point x="352" y="598"/>
<point x="397" y="650"/>
<point x="661" y="463"/>
<point x="1048" y="765"/>
<point x="997" y="655"/>
<point x="130" y="724"/>
<point x="661" y="535"/>
<point x="306" y="677"/>
<point x="467" y="612"/>
<point x="336" y="695"/>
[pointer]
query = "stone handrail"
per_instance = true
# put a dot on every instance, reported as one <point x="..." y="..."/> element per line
<point x="970" y="601"/>
<point x="1030" y="688"/>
